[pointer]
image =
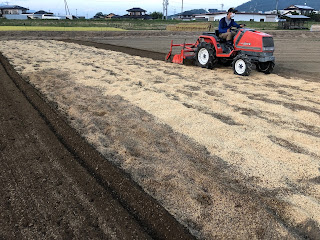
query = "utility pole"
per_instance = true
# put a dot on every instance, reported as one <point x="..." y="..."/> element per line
<point x="165" y="4"/>
<point x="277" y="4"/>
<point x="182" y="7"/>
<point x="222" y="5"/>
<point x="66" y="7"/>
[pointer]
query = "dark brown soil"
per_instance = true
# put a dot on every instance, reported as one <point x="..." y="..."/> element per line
<point x="53" y="184"/>
<point x="128" y="50"/>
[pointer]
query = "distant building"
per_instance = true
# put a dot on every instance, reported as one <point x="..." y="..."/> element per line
<point x="185" y="16"/>
<point x="69" y="17"/>
<point x="137" y="13"/>
<point x="15" y="12"/>
<point x="298" y="9"/>
<point x="188" y="15"/>
<point x="240" y="16"/>
<point x="293" y="22"/>
<point x="215" y="10"/>
<point x="274" y="12"/>
<point x="12" y="10"/>
<point x="39" y="14"/>
<point x="110" y="15"/>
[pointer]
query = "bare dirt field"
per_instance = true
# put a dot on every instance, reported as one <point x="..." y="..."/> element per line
<point x="228" y="156"/>
<point x="54" y="185"/>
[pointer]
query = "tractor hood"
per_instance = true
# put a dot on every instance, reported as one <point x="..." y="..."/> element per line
<point x="253" y="41"/>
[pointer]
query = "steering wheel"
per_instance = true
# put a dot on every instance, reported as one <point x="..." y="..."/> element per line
<point x="234" y="29"/>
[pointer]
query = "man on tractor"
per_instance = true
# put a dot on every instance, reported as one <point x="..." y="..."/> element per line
<point x="225" y="26"/>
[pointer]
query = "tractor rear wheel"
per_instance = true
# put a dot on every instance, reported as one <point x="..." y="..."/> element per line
<point x="265" y="67"/>
<point x="242" y="65"/>
<point x="205" y="55"/>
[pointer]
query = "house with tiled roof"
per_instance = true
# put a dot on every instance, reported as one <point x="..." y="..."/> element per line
<point x="12" y="10"/>
<point x="299" y="9"/>
<point x="137" y="13"/>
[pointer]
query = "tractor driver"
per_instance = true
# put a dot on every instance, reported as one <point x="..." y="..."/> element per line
<point x="225" y="26"/>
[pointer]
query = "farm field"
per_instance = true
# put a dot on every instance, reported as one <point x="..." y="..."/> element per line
<point x="51" y="28"/>
<point x="125" y="24"/>
<point x="121" y="24"/>
<point x="295" y="51"/>
<point x="227" y="156"/>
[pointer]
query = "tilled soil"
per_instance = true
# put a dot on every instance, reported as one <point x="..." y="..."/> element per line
<point x="55" y="185"/>
<point x="240" y="209"/>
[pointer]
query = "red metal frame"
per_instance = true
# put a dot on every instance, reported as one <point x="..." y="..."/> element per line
<point x="186" y="51"/>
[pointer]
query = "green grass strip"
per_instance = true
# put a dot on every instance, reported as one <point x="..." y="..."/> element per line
<point x="66" y="29"/>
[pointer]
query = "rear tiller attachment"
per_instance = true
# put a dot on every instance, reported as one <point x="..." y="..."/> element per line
<point x="187" y="52"/>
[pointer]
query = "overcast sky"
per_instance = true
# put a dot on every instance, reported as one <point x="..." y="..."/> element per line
<point x="89" y="8"/>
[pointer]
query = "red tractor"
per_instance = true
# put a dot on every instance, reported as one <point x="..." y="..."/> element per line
<point x="249" y="47"/>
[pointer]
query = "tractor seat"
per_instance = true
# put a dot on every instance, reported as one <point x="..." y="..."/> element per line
<point x="219" y="39"/>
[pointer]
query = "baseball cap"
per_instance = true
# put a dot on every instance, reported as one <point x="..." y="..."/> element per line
<point x="232" y="10"/>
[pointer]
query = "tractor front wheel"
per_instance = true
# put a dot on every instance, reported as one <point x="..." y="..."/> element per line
<point x="265" y="67"/>
<point x="242" y="65"/>
<point x="205" y="55"/>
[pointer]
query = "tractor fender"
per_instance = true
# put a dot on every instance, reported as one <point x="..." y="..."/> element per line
<point x="212" y="40"/>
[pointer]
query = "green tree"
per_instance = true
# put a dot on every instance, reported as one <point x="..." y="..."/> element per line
<point x="99" y="15"/>
<point x="156" y="15"/>
<point x="315" y="17"/>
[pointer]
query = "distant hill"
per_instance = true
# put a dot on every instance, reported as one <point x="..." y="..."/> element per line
<point x="263" y="5"/>
<point x="194" y="11"/>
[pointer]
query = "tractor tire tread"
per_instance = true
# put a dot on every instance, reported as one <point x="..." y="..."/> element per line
<point x="247" y="61"/>
<point x="212" y="58"/>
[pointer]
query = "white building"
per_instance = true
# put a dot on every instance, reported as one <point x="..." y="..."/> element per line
<point x="246" y="17"/>
<point x="275" y="12"/>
